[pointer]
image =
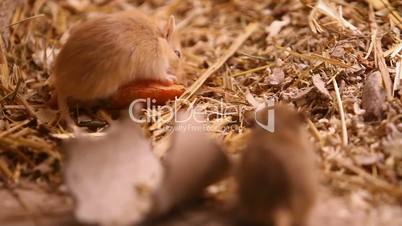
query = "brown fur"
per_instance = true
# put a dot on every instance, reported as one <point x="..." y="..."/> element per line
<point x="276" y="178"/>
<point x="107" y="52"/>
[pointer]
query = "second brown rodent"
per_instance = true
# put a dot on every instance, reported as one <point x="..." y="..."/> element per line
<point x="276" y="177"/>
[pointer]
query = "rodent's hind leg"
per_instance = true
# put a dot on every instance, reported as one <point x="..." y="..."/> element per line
<point x="65" y="113"/>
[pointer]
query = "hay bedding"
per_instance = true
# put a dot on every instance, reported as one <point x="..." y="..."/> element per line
<point x="316" y="56"/>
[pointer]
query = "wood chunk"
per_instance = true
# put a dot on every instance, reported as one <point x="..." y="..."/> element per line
<point x="276" y="77"/>
<point x="320" y="85"/>
<point x="373" y="97"/>
<point x="301" y="93"/>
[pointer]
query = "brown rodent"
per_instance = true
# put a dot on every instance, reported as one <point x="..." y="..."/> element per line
<point x="106" y="52"/>
<point x="276" y="178"/>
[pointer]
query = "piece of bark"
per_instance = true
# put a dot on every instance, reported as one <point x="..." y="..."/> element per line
<point x="276" y="77"/>
<point x="373" y="97"/>
<point x="276" y="26"/>
<point x="320" y="85"/>
<point x="301" y="93"/>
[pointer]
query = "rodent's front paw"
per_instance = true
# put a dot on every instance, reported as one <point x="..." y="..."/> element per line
<point x="170" y="79"/>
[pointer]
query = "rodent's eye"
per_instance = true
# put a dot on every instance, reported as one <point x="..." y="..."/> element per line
<point x="178" y="53"/>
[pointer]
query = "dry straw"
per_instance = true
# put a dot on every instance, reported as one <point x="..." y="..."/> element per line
<point x="227" y="53"/>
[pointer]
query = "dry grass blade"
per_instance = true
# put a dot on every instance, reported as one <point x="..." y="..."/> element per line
<point x="13" y="129"/>
<point x="393" y="13"/>
<point x="5" y="170"/>
<point x="211" y="70"/>
<point x="323" y="7"/>
<point x="314" y="130"/>
<point x="398" y="76"/>
<point x="315" y="57"/>
<point x="372" y="42"/>
<point x="252" y="70"/>
<point x="5" y="72"/>
<point x="382" y="66"/>
<point x="39" y="146"/>
<point x="378" y="183"/>
<point x="342" y="113"/>
<point x="380" y="58"/>
<point x="25" y="20"/>
<point x="27" y="106"/>
<point x="394" y="50"/>
<point x="67" y="136"/>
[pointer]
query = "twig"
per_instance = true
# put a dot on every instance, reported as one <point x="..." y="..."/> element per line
<point x="382" y="66"/>
<point x="11" y="95"/>
<point x="393" y="14"/>
<point x="4" y="69"/>
<point x="342" y="113"/>
<point x="398" y="76"/>
<point x="4" y="168"/>
<point x="254" y="56"/>
<point x="314" y="130"/>
<point x="313" y="23"/>
<point x="36" y="145"/>
<point x="6" y="132"/>
<point x="104" y="115"/>
<point x="379" y="57"/>
<point x="253" y="70"/>
<point x="327" y="10"/>
<point x="394" y="51"/>
<point x="313" y="56"/>
<point x="372" y="41"/>
<point x="334" y="77"/>
<point x="24" y="20"/>
<point x="67" y="136"/>
<point x="27" y="106"/>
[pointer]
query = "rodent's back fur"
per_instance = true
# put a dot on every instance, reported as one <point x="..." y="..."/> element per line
<point x="106" y="52"/>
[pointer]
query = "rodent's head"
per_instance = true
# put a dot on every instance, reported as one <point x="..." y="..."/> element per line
<point x="171" y="46"/>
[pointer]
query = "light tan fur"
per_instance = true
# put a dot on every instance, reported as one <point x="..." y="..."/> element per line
<point x="106" y="52"/>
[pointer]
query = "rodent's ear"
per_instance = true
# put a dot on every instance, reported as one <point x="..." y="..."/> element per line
<point x="169" y="28"/>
